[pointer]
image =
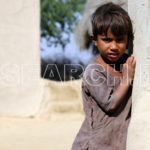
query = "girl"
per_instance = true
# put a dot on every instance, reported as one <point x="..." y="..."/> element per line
<point x="106" y="86"/>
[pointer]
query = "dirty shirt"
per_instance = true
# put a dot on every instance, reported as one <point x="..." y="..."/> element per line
<point x="102" y="130"/>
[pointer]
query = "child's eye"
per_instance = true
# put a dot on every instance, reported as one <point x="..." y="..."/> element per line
<point x="107" y="39"/>
<point x="120" y="40"/>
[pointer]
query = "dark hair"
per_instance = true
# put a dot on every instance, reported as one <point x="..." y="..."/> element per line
<point x="112" y="16"/>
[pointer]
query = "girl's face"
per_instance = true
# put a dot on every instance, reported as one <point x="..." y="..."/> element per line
<point x="111" y="47"/>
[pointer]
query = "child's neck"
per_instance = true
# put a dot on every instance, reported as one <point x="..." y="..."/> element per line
<point x="113" y="68"/>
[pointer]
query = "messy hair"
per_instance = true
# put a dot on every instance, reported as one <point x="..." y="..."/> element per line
<point x="112" y="16"/>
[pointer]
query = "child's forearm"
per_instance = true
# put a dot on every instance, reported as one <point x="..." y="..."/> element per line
<point x="119" y="94"/>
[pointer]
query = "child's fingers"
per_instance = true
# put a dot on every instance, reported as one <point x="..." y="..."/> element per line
<point x="134" y="63"/>
<point x="127" y="61"/>
<point x="131" y="59"/>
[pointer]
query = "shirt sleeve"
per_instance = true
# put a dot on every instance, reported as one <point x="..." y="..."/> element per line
<point x="97" y="86"/>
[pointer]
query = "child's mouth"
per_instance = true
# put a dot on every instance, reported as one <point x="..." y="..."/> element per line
<point x="113" y="55"/>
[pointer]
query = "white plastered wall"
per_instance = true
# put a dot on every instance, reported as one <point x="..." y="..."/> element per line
<point x="21" y="88"/>
<point x="139" y="128"/>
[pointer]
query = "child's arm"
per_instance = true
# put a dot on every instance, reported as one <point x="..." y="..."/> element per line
<point x="127" y="76"/>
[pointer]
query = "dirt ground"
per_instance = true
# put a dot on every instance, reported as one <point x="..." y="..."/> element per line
<point x="57" y="133"/>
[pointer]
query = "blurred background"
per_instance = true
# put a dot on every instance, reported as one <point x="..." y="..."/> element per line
<point x="63" y="57"/>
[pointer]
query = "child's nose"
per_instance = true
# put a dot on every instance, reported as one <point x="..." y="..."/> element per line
<point x="114" y="45"/>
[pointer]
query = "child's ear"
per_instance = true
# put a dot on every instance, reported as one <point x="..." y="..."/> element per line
<point x="93" y="39"/>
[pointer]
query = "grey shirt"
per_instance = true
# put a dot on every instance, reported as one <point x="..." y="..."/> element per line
<point x="102" y="130"/>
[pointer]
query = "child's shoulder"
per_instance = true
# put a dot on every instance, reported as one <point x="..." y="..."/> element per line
<point x="94" y="74"/>
<point x="94" y="70"/>
<point x="93" y="66"/>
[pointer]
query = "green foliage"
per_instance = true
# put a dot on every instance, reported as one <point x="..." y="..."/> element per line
<point x="58" y="19"/>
